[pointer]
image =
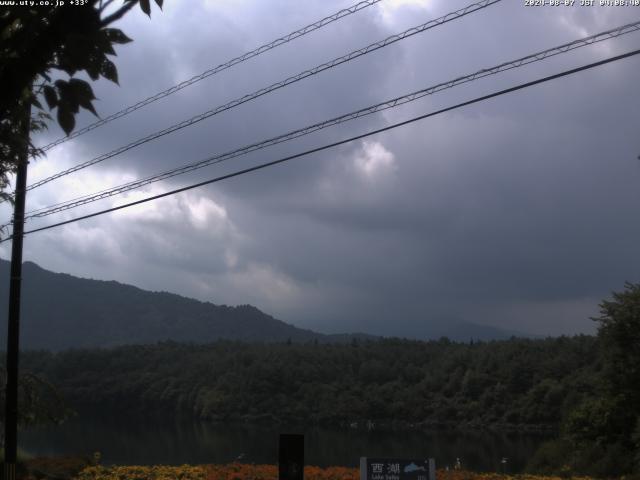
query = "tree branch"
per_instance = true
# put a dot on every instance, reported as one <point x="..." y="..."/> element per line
<point x="118" y="14"/>
<point x="103" y="6"/>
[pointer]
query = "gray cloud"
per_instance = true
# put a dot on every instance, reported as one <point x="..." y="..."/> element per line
<point x="518" y="212"/>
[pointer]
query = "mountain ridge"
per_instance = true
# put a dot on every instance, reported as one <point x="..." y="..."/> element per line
<point x="61" y="311"/>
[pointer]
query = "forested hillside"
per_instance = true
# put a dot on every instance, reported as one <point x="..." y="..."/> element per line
<point x="527" y="384"/>
<point x="61" y="311"/>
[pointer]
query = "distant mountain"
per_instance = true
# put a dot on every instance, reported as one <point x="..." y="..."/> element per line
<point x="61" y="311"/>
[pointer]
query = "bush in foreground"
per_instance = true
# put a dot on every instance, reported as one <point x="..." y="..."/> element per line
<point x="237" y="471"/>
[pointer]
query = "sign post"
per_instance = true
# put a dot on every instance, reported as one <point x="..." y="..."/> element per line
<point x="397" y="469"/>
<point x="291" y="457"/>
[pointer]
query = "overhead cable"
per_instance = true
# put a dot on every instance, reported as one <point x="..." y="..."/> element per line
<point x="283" y="83"/>
<point x="535" y="57"/>
<point x="335" y="144"/>
<point x="212" y="71"/>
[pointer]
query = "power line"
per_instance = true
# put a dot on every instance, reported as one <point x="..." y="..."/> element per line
<point x="535" y="57"/>
<point x="341" y="142"/>
<point x="283" y="83"/>
<point x="223" y="66"/>
<point x="334" y="121"/>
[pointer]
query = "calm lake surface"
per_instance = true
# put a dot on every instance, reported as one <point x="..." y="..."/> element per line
<point x="182" y="441"/>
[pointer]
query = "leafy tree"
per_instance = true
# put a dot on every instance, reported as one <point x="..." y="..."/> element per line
<point x="619" y="334"/>
<point x="39" y="46"/>
<point x="612" y="416"/>
<point x="39" y="401"/>
<point x="603" y="431"/>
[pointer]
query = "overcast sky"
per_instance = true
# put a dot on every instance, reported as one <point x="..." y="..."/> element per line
<point x="519" y="212"/>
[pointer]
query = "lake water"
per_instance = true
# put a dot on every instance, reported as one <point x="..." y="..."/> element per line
<point x="182" y="441"/>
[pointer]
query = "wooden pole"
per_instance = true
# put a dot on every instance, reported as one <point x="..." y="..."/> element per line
<point x="15" y="283"/>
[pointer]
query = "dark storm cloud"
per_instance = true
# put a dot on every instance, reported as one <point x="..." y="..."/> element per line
<point x="262" y="118"/>
<point x="515" y="212"/>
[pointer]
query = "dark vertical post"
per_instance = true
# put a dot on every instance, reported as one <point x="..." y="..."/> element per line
<point x="291" y="457"/>
<point x="13" y="333"/>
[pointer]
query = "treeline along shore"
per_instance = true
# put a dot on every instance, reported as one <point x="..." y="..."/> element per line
<point x="519" y="384"/>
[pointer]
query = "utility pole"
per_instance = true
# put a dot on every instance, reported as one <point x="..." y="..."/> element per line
<point x="13" y="333"/>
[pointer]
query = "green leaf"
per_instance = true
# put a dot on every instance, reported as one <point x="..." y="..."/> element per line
<point x="93" y="68"/>
<point x="89" y="106"/>
<point x="109" y="71"/>
<point x="76" y="53"/>
<point x="66" y="119"/>
<point x="67" y="97"/>
<point x="115" y="35"/>
<point x="146" y="7"/>
<point x="83" y="94"/>
<point x="81" y="89"/>
<point x="50" y="96"/>
<point x="72" y="105"/>
<point x="104" y="44"/>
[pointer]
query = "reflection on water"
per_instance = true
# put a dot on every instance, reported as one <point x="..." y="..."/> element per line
<point x="181" y="441"/>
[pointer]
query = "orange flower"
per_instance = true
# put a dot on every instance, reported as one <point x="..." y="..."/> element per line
<point x="237" y="471"/>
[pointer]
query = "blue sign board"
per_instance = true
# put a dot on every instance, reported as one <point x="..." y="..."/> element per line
<point x="397" y="469"/>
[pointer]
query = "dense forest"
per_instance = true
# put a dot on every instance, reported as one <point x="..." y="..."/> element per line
<point x="524" y="384"/>
<point x="585" y="389"/>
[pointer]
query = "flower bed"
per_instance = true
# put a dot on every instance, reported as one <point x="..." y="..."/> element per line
<point x="237" y="471"/>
